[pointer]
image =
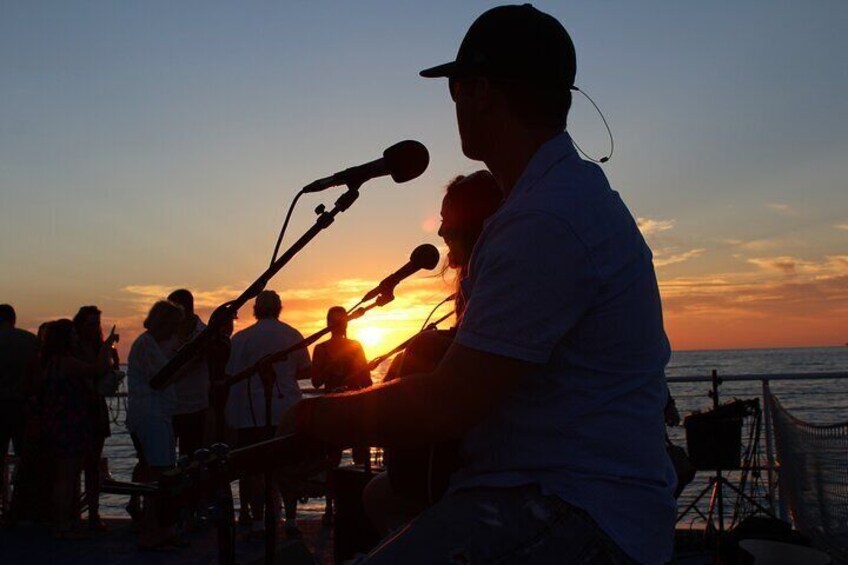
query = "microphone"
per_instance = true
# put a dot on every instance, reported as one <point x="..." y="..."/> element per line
<point x="424" y="256"/>
<point x="404" y="161"/>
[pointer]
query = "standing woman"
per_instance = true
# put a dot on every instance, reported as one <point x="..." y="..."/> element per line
<point x="417" y="475"/>
<point x="68" y="434"/>
<point x="149" y="412"/>
<point x="87" y="325"/>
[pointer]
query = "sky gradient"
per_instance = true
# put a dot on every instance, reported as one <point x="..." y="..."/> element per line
<point x="154" y="145"/>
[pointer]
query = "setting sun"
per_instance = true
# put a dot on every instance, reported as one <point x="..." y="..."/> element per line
<point x="370" y="337"/>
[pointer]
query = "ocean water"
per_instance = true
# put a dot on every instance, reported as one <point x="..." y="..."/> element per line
<point x="818" y="401"/>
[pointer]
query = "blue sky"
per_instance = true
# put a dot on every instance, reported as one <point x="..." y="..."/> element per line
<point x="157" y="144"/>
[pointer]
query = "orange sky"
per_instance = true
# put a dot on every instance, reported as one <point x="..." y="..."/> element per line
<point x="767" y="301"/>
<point x="779" y="302"/>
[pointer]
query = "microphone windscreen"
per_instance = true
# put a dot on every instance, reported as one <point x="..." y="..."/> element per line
<point x="406" y="160"/>
<point x="425" y="256"/>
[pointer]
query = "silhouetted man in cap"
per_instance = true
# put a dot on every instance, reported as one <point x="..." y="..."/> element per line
<point x="555" y="380"/>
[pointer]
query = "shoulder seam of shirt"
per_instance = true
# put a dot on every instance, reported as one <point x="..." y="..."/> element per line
<point x="540" y="212"/>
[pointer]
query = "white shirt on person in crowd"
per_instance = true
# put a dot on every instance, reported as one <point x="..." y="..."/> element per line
<point x="146" y="357"/>
<point x="562" y="278"/>
<point x="246" y="401"/>
<point x="192" y="385"/>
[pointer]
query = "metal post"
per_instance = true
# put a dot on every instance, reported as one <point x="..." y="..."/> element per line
<point x="769" y="445"/>
<point x="719" y="478"/>
<point x="269" y="378"/>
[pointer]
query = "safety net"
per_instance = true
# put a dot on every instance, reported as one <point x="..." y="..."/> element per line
<point x="813" y="471"/>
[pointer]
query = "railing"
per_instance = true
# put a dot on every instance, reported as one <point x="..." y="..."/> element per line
<point x="680" y="386"/>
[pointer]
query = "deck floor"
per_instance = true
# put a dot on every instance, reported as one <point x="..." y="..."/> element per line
<point x="33" y="545"/>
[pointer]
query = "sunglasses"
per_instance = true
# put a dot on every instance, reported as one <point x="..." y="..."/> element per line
<point x="454" y="84"/>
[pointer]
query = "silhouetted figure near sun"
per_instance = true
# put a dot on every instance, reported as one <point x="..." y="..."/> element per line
<point x="18" y="349"/>
<point x="87" y="323"/>
<point x="339" y="364"/>
<point x="217" y="357"/>
<point x="555" y="379"/>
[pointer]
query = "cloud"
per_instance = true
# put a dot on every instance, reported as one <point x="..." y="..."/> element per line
<point x="753" y="245"/>
<point x="785" y="265"/>
<point x="145" y="295"/>
<point x="305" y="307"/>
<point x="666" y="256"/>
<point x="817" y="292"/>
<point x="831" y="265"/>
<point x="843" y="227"/>
<point x="649" y="226"/>
<point x="785" y="209"/>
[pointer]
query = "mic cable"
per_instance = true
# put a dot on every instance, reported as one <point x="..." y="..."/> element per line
<point x="602" y="160"/>
<point x="436" y="307"/>
<point x="285" y="225"/>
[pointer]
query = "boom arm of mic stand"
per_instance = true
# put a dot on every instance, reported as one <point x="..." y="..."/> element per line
<point x="168" y="374"/>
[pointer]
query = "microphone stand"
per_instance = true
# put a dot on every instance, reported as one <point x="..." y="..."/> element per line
<point x="169" y="373"/>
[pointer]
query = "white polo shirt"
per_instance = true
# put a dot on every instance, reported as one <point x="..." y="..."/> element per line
<point x="562" y="278"/>
<point x="246" y="402"/>
<point x="144" y="403"/>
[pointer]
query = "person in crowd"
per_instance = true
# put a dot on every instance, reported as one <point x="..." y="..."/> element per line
<point x="468" y="202"/>
<point x="67" y="424"/>
<point x="87" y="323"/>
<point x="192" y="385"/>
<point x="149" y="415"/>
<point x="33" y="475"/>
<point x="555" y="380"/>
<point x="217" y="357"/>
<point x="246" y="402"/>
<point x="18" y="350"/>
<point x="339" y="364"/>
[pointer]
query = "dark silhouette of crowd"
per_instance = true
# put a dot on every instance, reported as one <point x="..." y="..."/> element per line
<point x="55" y="416"/>
<point x="54" y="412"/>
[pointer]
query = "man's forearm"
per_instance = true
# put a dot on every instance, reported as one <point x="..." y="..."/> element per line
<point x="407" y="410"/>
<point x="463" y="390"/>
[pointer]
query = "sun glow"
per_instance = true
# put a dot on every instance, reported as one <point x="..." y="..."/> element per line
<point x="370" y="337"/>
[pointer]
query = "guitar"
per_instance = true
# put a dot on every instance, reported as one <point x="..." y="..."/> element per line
<point x="422" y="472"/>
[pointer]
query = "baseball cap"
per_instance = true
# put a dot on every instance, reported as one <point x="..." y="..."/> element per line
<point x="514" y="43"/>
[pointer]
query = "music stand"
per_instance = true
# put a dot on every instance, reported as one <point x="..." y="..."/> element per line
<point x="714" y="442"/>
